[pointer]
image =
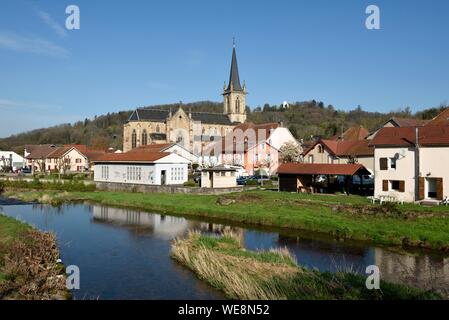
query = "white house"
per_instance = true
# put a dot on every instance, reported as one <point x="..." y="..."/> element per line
<point x="149" y="168"/>
<point x="411" y="163"/>
<point x="12" y="159"/>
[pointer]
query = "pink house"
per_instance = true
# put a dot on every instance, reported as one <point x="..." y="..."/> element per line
<point x="254" y="146"/>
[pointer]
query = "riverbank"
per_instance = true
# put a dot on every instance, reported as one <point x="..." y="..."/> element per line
<point x="28" y="263"/>
<point x="274" y="275"/>
<point x="343" y="217"/>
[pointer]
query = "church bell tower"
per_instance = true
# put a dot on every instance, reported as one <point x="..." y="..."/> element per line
<point x="234" y="94"/>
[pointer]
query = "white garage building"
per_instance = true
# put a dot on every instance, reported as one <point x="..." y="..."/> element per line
<point x="148" y="168"/>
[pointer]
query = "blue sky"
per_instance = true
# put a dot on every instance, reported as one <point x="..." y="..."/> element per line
<point x="133" y="53"/>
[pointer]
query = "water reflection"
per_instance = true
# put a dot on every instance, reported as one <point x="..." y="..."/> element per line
<point x="325" y="254"/>
<point x="125" y="253"/>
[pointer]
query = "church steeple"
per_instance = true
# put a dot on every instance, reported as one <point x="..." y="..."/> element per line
<point x="234" y="79"/>
<point x="234" y="94"/>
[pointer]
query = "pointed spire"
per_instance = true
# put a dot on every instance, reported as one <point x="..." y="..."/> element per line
<point x="234" y="79"/>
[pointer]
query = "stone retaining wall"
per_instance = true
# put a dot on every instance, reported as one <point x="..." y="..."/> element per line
<point x="127" y="187"/>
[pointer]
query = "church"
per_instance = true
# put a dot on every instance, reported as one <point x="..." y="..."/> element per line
<point x="193" y="130"/>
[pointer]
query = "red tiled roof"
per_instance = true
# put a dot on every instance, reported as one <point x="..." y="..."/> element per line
<point x="341" y="148"/>
<point x="132" y="157"/>
<point x="406" y="122"/>
<point x="441" y="119"/>
<point x="321" y="169"/>
<point x="154" y="147"/>
<point x="353" y="133"/>
<point x="430" y="135"/>
<point x="40" y="151"/>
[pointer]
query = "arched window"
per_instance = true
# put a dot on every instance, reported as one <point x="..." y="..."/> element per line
<point x="229" y="104"/>
<point x="237" y="105"/>
<point x="134" y="139"/>
<point x="158" y="129"/>
<point x="144" y="137"/>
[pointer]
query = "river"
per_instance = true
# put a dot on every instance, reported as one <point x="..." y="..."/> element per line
<point x="125" y="254"/>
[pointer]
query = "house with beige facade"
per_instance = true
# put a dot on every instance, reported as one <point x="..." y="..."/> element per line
<point x="219" y="177"/>
<point x="51" y="158"/>
<point x="351" y="147"/>
<point x="192" y="130"/>
<point x="411" y="163"/>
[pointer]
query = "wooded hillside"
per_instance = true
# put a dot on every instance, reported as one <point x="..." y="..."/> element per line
<point x="304" y="119"/>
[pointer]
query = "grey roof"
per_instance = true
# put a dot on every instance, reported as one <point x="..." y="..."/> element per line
<point x="234" y="75"/>
<point x="212" y="118"/>
<point x="149" y="114"/>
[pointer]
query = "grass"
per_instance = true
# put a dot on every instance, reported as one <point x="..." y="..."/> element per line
<point x="343" y="217"/>
<point x="28" y="263"/>
<point x="274" y="274"/>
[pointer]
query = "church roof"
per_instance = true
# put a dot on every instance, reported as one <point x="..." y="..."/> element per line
<point x="212" y="118"/>
<point x="234" y="78"/>
<point x="149" y="114"/>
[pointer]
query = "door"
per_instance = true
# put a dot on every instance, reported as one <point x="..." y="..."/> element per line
<point x="431" y="184"/>
<point x="211" y="179"/>
<point x="163" y="177"/>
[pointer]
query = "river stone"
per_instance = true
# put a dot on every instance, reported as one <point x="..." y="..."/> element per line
<point x="225" y="201"/>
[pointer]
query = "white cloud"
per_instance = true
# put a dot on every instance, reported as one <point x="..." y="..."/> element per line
<point x="31" y="44"/>
<point x="25" y="106"/>
<point x="48" y="20"/>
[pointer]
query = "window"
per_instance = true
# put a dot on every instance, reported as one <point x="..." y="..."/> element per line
<point x="105" y="172"/>
<point x="311" y="158"/>
<point x="320" y="149"/>
<point x="158" y="129"/>
<point x="237" y="105"/>
<point x="394" y="185"/>
<point x="392" y="163"/>
<point x="397" y="185"/>
<point x="134" y="139"/>
<point x="223" y="174"/>
<point x="144" y="137"/>
<point x="383" y="163"/>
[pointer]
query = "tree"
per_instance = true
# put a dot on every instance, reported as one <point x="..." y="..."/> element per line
<point x="289" y="152"/>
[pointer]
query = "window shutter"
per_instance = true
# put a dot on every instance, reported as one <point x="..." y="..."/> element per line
<point x="383" y="163"/>
<point x="439" y="182"/>
<point x="384" y="185"/>
<point x="421" y="188"/>
<point x="402" y="186"/>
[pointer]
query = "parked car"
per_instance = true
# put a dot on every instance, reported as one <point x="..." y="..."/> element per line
<point x="258" y="178"/>
<point x="241" y="181"/>
<point x="26" y="170"/>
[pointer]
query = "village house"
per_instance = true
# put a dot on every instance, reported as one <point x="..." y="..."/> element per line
<point x="11" y="160"/>
<point x="351" y="147"/>
<point x="255" y="147"/>
<point x="411" y="163"/>
<point x="145" y="168"/>
<point x="51" y="158"/>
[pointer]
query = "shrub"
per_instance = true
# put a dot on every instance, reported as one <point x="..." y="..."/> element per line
<point x="2" y="186"/>
<point x="190" y="183"/>
<point x="251" y="183"/>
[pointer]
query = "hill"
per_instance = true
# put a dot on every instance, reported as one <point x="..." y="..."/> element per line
<point x="304" y="119"/>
